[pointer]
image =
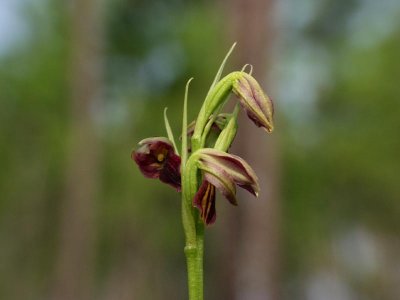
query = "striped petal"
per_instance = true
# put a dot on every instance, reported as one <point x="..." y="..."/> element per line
<point x="258" y="106"/>
<point x="221" y="180"/>
<point x="230" y="167"/>
<point x="204" y="200"/>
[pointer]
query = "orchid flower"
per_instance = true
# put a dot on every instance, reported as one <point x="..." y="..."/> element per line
<point x="222" y="171"/>
<point x="156" y="158"/>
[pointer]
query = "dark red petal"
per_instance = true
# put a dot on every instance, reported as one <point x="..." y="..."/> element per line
<point x="148" y="165"/>
<point x="226" y="187"/>
<point x="204" y="200"/>
<point x="156" y="159"/>
<point x="170" y="173"/>
<point x="157" y="145"/>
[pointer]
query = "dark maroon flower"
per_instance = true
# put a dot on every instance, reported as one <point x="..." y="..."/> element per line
<point x="156" y="158"/>
<point x="223" y="171"/>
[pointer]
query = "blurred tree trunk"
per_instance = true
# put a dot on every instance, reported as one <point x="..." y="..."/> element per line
<point x="74" y="265"/>
<point x="254" y="236"/>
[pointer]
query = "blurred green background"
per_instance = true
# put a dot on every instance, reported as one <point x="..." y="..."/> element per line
<point x="81" y="82"/>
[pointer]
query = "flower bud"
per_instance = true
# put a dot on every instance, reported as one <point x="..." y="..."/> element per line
<point x="257" y="105"/>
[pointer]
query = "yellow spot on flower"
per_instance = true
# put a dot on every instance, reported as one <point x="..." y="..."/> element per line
<point x="160" y="157"/>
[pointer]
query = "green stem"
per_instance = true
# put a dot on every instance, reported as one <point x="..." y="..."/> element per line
<point x="193" y="231"/>
<point x="200" y="256"/>
<point x="195" y="286"/>
<point x="194" y="260"/>
<point x="193" y="247"/>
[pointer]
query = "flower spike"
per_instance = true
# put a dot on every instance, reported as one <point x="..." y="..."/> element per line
<point x="205" y="164"/>
<point x="156" y="158"/>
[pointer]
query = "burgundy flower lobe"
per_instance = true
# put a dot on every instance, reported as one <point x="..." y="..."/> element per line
<point x="156" y="158"/>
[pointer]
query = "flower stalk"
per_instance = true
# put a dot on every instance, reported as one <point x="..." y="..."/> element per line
<point x="193" y="249"/>
<point x="204" y="165"/>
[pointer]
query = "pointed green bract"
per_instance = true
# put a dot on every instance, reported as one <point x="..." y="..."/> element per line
<point x="197" y="140"/>
<point x="184" y="124"/>
<point x="221" y="68"/>
<point x="169" y="130"/>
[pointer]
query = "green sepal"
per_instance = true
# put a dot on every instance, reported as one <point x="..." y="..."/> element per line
<point x="221" y="68"/>
<point x="228" y="134"/>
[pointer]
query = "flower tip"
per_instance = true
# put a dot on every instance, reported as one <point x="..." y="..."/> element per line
<point x="269" y="129"/>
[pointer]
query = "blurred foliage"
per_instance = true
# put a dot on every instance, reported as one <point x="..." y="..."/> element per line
<point x="341" y="173"/>
<point x="149" y="56"/>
